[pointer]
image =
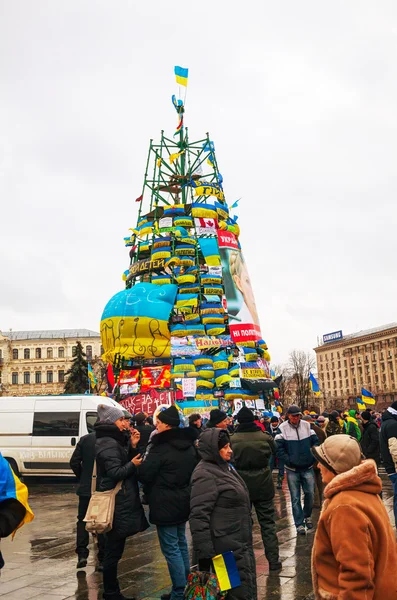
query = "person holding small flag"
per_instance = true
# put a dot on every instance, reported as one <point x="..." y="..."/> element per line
<point x="220" y="517"/>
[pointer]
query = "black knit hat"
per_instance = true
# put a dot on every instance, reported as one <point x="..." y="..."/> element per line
<point x="169" y="416"/>
<point x="366" y="415"/>
<point x="245" y="415"/>
<point x="223" y="439"/>
<point x="274" y="419"/>
<point x="217" y="416"/>
<point x="140" y="418"/>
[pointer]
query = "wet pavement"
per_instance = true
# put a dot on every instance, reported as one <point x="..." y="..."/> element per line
<point x="41" y="561"/>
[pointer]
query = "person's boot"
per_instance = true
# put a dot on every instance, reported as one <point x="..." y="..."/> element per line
<point x="81" y="563"/>
<point x="166" y="596"/>
<point x="275" y="566"/>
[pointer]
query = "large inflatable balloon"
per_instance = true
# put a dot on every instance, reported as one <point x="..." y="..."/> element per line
<point x="135" y="322"/>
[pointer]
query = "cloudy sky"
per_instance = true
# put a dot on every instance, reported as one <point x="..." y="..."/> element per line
<point x="300" y="99"/>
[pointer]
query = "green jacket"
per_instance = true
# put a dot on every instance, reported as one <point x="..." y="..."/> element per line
<point x="252" y="449"/>
<point x="352" y="428"/>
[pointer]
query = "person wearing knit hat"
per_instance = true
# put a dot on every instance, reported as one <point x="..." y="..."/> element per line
<point x="351" y="426"/>
<point x="333" y="426"/>
<point x="145" y="429"/>
<point x="117" y="459"/>
<point x="252" y="449"/>
<point x="166" y="473"/>
<point x="388" y="448"/>
<point x="294" y="442"/>
<point x="370" y="444"/>
<point x="354" y="533"/>
<point x="217" y="419"/>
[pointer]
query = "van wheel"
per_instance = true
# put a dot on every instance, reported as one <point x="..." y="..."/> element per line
<point x="13" y="466"/>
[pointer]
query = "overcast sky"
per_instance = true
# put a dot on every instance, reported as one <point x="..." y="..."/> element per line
<point x="300" y="99"/>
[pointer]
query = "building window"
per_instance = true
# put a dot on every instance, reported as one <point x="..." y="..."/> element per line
<point x="14" y="379"/>
<point x="338" y="355"/>
<point x="50" y="353"/>
<point x="50" y="377"/>
<point x="26" y="354"/>
<point x="61" y="352"/>
<point x="332" y="355"/>
<point x="1" y="353"/>
<point x="26" y="377"/>
<point x="74" y="350"/>
<point x="369" y="379"/>
<point x="321" y="356"/>
<point x="345" y="363"/>
<point x="88" y="351"/>
<point x="347" y="383"/>
<point x="340" y="384"/>
<point x="61" y="376"/>
<point x="15" y="354"/>
<point x="0" y="377"/>
<point x="376" y="378"/>
<point x="37" y="377"/>
<point x="38" y="352"/>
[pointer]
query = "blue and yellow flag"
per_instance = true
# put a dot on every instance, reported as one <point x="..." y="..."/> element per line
<point x="360" y="404"/>
<point x="11" y="487"/>
<point x="315" y="388"/>
<point x="91" y="376"/>
<point x="181" y="75"/>
<point x="226" y="571"/>
<point x="367" y="397"/>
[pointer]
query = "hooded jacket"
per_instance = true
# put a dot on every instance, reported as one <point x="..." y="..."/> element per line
<point x="166" y="473"/>
<point x="220" y="518"/>
<point x="294" y="445"/>
<point x="351" y="426"/>
<point x="113" y="457"/>
<point x="370" y="441"/>
<point x="354" y="552"/>
<point x="252" y="449"/>
<point x="388" y="441"/>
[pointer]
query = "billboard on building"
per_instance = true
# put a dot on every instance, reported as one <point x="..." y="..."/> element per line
<point x="332" y="337"/>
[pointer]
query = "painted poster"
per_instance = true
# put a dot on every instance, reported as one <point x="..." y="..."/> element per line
<point x="189" y="387"/>
<point x="243" y="315"/>
<point x="129" y="381"/>
<point x="155" y="377"/>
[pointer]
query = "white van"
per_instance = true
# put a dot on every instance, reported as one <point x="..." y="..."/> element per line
<point x="38" y="434"/>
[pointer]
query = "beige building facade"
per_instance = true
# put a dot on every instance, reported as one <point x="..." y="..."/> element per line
<point x="35" y="362"/>
<point x="364" y="359"/>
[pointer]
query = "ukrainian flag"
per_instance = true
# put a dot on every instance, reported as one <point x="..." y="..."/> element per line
<point x="11" y="487"/>
<point x="91" y="376"/>
<point x="181" y="75"/>
<point x="315" y="388"/>
<point x="360" y="404"/>
<point x="226" y="571"/>
<point x="367" y="397"/>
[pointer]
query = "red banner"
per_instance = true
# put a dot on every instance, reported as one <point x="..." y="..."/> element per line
<point x="245" y="333"/>
<point x="146" y="403"/>
<point x="155" y="377"/>
<point x="226" y="239"/>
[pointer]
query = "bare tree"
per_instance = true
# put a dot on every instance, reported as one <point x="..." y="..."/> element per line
<point x="287" y="385"/>
<point x="301" y="364"/>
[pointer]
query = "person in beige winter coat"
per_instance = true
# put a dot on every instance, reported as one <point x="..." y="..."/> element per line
<point x="355" y="552"/>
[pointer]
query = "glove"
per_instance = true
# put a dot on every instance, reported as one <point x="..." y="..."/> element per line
<point x="205" y="564"/>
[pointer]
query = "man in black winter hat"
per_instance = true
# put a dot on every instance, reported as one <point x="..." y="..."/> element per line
<point x="252" y="449"/>
<point x="166" y="473"/>
<point x="218" y="419"/>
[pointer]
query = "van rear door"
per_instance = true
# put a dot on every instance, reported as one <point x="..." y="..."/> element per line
<point x="56" y="425"/>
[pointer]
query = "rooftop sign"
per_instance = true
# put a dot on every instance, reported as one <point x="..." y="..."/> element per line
<point x="332" y="337"/>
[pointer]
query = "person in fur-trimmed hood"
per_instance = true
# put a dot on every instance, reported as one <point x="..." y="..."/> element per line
<point x="355" y="551"/>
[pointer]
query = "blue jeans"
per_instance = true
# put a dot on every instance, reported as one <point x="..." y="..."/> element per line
<point x="393" y="479"/>
<point x="298" y="481"/>
<point x="173" y="545"/>
<point x="280" y="465"/>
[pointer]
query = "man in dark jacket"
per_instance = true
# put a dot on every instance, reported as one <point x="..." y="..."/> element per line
<point x="388" y="448"/>
<point x="82" y="464"/>
<point x="166" y="473"/>
<point x="196" y="423"/>
<point x="294" y="445"/>
<point x="252" y="449"/>
<point x="370" y="444"/>
<point x="218" y="419"/>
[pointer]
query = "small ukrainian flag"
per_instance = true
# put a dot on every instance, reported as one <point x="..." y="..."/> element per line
<point x="91" y="376"/>
<point x="12" y="487"/>
<point x="181" y="75"/>
<point x="226" y="571"/>
<point x="367" y="397"/>
<point x="360" y="404"/>
<point x="314" y="385"/>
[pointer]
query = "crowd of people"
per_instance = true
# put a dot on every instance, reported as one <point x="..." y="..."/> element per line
<point x="212" y="472"/>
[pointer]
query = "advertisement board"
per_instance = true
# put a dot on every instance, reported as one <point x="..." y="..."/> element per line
<point x="332" y="337"/>
<point x="243" y="315"/>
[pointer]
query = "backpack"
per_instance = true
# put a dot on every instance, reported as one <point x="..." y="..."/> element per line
<point x="203" y="586"/>
<point x="100" y="511"/>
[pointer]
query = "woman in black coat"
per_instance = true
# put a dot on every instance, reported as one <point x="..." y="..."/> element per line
<point x="117" y="460"/>
<point x="220" y="511"/>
